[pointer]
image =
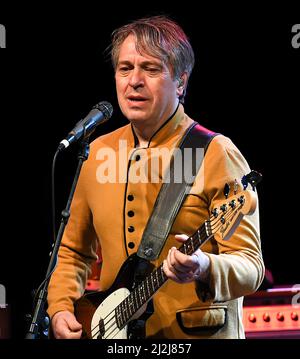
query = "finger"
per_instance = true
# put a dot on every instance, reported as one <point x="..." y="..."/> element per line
<point x="178" y="265"/>
<point x="178" y="277"/>
<point x="168" y="272"/>
<point x="175" y="266"/>
<point x="170" y="262"/>
<point x="174" y="270"/>
<point x="74" y="325"/>
<point x="184" y="262"/>
<point x="68" y="328"/>
<point x="68" y="334"/>
<point x="75" y="335"/>
<point x="181" y="237"/>
<point x="182" y="272"/>
<point x="172" y="275"/>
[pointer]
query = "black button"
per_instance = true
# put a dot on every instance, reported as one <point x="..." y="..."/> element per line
<point x="130" y="229"/>
<point x="131" y="245"/>
<point x="130" y="197"/>
<point x="130" y="213"/>
<point x="137" y="157"/>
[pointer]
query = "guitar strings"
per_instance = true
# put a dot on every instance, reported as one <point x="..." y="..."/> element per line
<point x="229" y="213"/>
<point x="215" y="223"/>
<point x="202" y="230"/>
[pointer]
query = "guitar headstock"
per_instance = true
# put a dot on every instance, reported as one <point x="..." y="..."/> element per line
<point x="227" y="214"/>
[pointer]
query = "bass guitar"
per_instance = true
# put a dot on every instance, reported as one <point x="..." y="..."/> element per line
<point x="106" y="314"/>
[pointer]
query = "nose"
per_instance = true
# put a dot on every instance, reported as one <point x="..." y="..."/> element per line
<point x="136" y="79"/>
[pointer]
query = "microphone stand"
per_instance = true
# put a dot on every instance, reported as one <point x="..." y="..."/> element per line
<point x="38" y="317"/>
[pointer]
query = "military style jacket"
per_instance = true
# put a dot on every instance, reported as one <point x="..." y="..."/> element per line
<point x="113" y="200"/>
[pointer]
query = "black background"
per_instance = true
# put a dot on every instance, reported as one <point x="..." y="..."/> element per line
<point x="245" y="85"/>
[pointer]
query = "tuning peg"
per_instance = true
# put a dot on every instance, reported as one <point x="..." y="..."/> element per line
<point x="235" y="187"/>
<point x="241" y="200"/>
<point x="253" y="178"/>
<point x="226" y="190"/>
<point x="215" y="212"/>
<point x="244" y="182"/>
<point x="232" y="204"/>
<point x="223" y="208"/>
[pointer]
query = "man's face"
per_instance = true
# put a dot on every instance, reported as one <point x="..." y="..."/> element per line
<point x="146" y="92"/>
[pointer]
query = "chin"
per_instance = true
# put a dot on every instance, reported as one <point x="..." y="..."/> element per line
<point x="136" y="119"/>
<point x="135" y="116"/>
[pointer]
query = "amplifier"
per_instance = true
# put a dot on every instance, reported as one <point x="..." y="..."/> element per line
<point x="274" y="313"/>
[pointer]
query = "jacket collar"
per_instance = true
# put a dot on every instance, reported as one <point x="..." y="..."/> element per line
<point x="165" y="131"/>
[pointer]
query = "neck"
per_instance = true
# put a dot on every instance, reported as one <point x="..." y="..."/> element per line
<point x="145" y="131"/>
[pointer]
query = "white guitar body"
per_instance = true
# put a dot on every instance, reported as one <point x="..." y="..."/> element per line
<point x="106" y="310"/>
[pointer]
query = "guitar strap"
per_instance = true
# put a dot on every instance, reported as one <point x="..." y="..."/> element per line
<point x="172" y="193"/>
<point x="167" y="205"/>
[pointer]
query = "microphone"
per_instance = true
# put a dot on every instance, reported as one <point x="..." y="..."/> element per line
<point x="99" y="114"/>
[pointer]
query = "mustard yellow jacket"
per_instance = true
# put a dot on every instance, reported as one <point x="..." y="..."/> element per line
<point x="114" y="214"/>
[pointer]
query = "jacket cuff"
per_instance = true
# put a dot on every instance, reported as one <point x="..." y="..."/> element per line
<point x="205" y="291"/>
<point x="58" y="308"/>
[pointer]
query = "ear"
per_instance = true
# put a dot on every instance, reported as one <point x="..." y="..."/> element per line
<point x="182" y="81"/>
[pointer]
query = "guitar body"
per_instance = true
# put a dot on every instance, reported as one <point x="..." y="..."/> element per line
<point x="96" y="310"/>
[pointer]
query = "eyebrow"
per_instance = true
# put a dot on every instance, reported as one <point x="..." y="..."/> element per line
<point x="143" y="63"/>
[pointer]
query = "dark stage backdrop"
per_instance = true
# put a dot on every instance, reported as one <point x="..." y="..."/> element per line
<point x="245" y="85"/>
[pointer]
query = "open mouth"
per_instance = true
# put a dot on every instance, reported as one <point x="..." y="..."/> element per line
<point x="136" y="99"/>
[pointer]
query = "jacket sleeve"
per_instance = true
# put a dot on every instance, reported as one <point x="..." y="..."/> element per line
<point x="76" y="254"/>
<point x="237" y="269"/>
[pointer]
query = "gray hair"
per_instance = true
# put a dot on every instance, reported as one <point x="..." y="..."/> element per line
<point x="160" y="37"/>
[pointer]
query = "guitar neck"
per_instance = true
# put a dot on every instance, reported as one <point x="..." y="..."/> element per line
<point x="151" y="284"/>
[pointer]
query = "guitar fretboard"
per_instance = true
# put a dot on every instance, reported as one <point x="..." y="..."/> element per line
<point x="147" y="288"/>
